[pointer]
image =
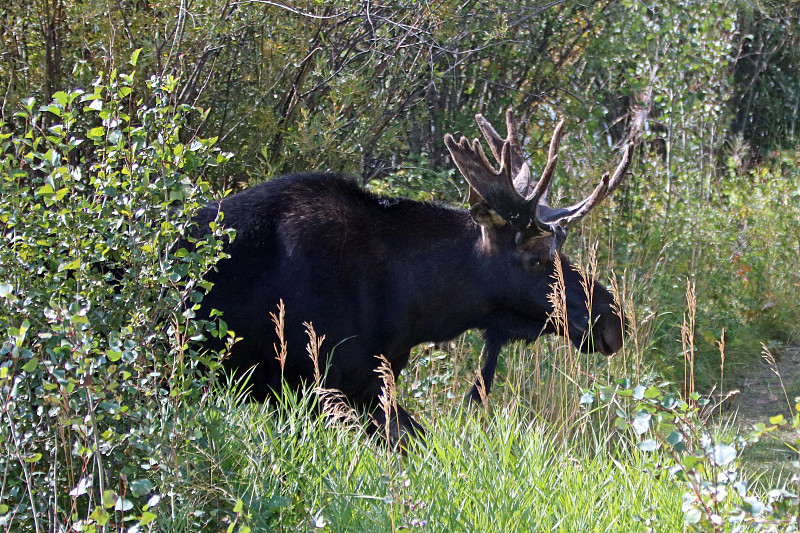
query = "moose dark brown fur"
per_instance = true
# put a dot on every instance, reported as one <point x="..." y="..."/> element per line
<point x="379" y="275"/>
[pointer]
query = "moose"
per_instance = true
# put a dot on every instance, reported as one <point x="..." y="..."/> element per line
<point x="379" y="275"/>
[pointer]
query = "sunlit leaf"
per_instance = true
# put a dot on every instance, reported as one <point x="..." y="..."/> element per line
<point x="146" y="518"/>
<point x="30" y="366"/>
<point x="75" y="264"/>
<point x="777" y="420"/>
<point x="723" y="454"/>
<point x="641" y="422"/>
<point x="123" y="504"/>
<point x="135" y="56"/>
<point x="648" y="445"/>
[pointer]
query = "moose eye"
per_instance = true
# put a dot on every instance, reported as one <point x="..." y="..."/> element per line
<point x="535" y="262"/>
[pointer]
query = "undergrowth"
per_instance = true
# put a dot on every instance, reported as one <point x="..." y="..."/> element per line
<point x="295" y="470"/>
<point x="110" y="424"/>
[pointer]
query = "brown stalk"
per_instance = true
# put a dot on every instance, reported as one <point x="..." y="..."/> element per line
<point x="687" y="339"/>
<point x="313" y="349"/>
<point x="767" y="355"/>
<point x="280" y="320"/>
<point x="388" y="397"/>
<point x="481" y="386"/>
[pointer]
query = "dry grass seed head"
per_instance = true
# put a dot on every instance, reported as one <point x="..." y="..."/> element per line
<point x="314" y="349"/>
<point x="388" y="397"/>
<point x="687" y="339"/>
<point x="588" y="273"/>
<point x="558" y="299"/>
<point x="280" y="320"/>
<point x="338" y="413"/>
<point x="773" y="364"/>
<point x="481" y="386"/>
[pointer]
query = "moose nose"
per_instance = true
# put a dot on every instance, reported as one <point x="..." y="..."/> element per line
<point x="610" y="333"/>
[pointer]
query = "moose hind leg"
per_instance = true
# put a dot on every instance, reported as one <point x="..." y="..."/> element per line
<point x="401" y="428"/>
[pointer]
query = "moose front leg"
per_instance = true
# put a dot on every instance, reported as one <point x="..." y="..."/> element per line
<point x="489" y="353"/>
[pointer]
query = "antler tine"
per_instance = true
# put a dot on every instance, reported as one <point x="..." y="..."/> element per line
<point x="577" y="211"/>
<point x="492" y="137"/>
<point x="512" y="137"/>
<point x="543" y="185"/>
<point x="494" y="186"/>
<point x="496" y="143"/>
<point x="621" y="169"/>
<point x="606" y="186"/>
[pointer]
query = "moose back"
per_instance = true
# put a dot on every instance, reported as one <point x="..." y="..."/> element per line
<point x="377" y="275"/>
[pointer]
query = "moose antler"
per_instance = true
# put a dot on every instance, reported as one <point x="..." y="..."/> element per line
<point x="496" y="144"/>
<point x="607" y="185"/>
<point x="509" y="190"/>
<point x="494" y="186"/>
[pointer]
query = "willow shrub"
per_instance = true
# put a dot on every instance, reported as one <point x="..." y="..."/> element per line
<point x="706" y="462"/>
<point x="97" y="302"/>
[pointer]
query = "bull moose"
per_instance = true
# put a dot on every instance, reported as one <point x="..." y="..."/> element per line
<point x="378" y="275"/>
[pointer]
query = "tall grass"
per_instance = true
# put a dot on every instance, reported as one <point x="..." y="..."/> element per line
<point x="296" y="471"/>
<point x="534" y="459"/>
<point x="303" y="462"/>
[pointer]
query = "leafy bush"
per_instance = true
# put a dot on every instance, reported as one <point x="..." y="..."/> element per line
<point x="96" y="303"/>
<point x="717" y="495"/>
<point x="738" y="246"/>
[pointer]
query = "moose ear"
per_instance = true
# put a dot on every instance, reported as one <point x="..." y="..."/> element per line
<point x="483" y="215"/>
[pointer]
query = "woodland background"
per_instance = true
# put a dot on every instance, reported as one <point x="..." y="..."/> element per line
<point x="114" y="112"/>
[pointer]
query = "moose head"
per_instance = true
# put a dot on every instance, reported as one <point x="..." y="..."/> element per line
<point x="517" y="221"/>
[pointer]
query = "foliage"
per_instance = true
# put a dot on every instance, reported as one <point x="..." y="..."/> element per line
<point x="739" y="247"/>
<point x="97" y="303"/>
<point x="106" y="420"/>
<point x="299" y="471"/>
<point x="327" y="85"/>
<point x="766" y="101"/>
<point x="717" y="496"/>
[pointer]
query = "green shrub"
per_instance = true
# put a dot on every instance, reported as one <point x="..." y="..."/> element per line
<point x="96" y="304"/>
<point x="718" y="496"/>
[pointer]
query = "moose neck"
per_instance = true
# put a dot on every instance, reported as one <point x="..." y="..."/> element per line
<point x="446" y="268"/>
